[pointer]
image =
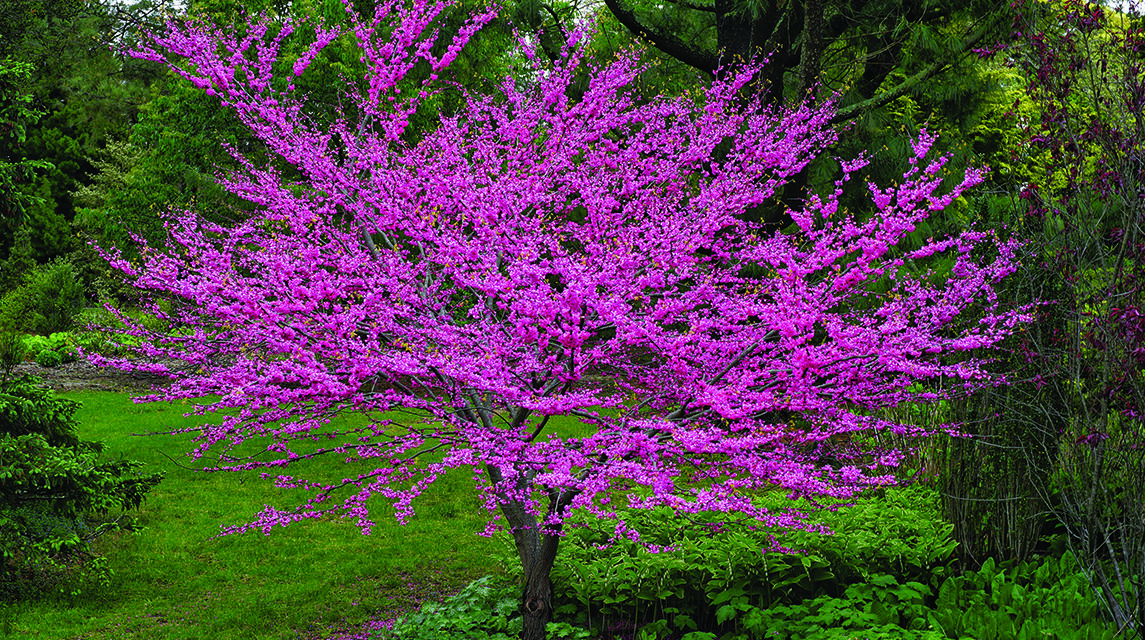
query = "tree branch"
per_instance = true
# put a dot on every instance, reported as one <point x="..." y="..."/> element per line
<point x="856" y="110"/>
<point x="693" y="7"/>
<point x="665" y="42"/>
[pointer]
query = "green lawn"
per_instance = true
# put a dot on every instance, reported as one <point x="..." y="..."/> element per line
<point x="176" y="580"/>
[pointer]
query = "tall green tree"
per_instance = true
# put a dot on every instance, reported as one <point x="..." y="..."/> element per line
<point x="894" y="67"/>
<point x="853" y="46"/>
<point x="82" y="93"/>
<point x="16" y="114"/>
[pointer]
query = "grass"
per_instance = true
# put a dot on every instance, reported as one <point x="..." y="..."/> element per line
<point x="314" y="579"/>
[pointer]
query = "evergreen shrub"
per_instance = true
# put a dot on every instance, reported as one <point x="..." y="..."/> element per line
<point x="57" y="295"/>
<point x="56" y="495"/>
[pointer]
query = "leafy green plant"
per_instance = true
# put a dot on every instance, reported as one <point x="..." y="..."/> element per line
<point x="898" y="532"/>
<point x="484" y="610"/>
<point x="480" y="610"/>
<point x="1047" y="597"/>
<point x="53" y="350"/>
<point x="881" y="607"/>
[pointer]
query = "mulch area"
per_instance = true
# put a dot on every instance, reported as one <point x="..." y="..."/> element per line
<point x="84" y="376"/>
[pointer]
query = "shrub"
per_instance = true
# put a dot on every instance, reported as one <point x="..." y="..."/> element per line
<point x="899" y="533"/>
<point x="53" y="350"/>
<point x="49" y="358"/>
<point x="57" y="295"/>
<point x="55" y="494"/>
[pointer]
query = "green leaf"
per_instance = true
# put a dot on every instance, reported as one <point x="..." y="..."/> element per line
<point x="725" y="613"/>
<point x="684" y="621"/>
<point x="884" y="580"/>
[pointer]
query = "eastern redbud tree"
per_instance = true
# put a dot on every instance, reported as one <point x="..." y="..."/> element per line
<point x="537" y="255"/>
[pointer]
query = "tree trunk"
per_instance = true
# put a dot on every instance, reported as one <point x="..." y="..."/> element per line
<point x="537" y="548"/>
<point x="537" y="594"/>
<point x="811" y="49"/>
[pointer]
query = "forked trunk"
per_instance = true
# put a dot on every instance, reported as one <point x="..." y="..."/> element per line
<point x="537" y="548"/>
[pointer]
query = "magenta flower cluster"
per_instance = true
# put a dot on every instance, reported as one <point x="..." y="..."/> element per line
<point x="537" y="255"/>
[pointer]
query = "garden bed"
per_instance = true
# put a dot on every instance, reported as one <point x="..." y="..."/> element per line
<point x="81" y="375"/>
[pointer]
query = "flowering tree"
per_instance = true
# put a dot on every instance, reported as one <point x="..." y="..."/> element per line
<point x="539" y="256"/>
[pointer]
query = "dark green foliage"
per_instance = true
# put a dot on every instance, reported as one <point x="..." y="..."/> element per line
<point x="46" y="301"/>
<point x="15" y="311"/>
<point x="483" y="610"/>
<point x="57" y="295"/>
<point x="12" y="351"/>
<point x="21" y="260"/>
<point x="63" y="94"/>
<point x="1045" y="598"/>
<point x="878" y="608"/>
<point x="900" y="533"/>
<point x="56" y="495"/>
<point x="16" y="115"/>
<point x="32" y="24"/>
<point x="48" y="358"/>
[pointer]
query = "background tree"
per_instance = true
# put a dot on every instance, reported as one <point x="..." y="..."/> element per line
<point x="15" y="115"/>
<point x="896" y="67"/>
<point x="536" y="256"/>
<point x="83" y="94"/>
<point x="851" y="46"/>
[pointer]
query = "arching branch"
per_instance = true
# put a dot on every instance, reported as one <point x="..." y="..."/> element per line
<point x="667" y="43"/>
<point x="931" y="70"/>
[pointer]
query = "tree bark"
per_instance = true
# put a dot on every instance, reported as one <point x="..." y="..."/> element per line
<point x="537" y="556"/>
<point x="536" y="547"/>
<point x="811" y="48"/>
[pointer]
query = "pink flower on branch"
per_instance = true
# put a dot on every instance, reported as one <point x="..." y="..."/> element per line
<point x="537" y="256"/>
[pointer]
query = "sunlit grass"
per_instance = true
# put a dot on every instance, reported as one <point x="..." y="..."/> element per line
<point x="175" y="579"/>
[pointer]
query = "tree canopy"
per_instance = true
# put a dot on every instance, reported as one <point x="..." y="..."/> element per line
<point x="545" y="252"/>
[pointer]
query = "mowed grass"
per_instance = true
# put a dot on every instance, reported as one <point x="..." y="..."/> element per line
<point x="176" y="580"/>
